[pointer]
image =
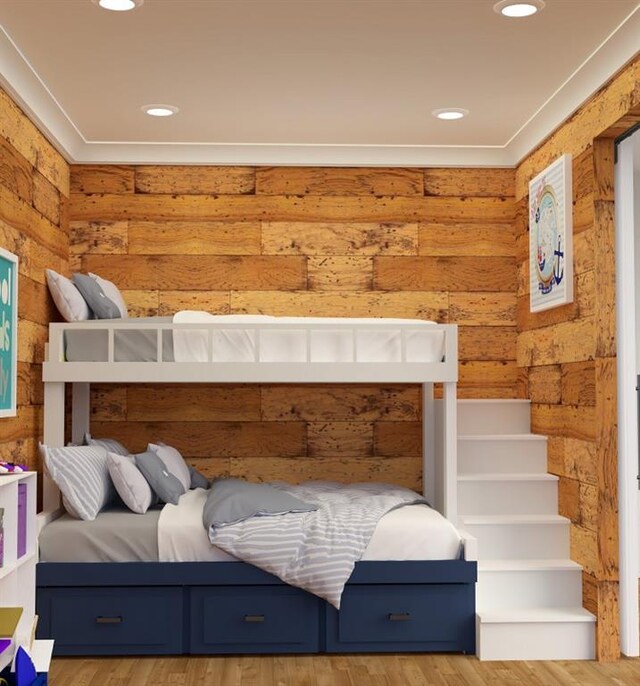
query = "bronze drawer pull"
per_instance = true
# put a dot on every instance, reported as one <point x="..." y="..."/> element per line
<point x="254" y="618"/>
<point x="108" y="620"/>
<point x="399" y="616"/>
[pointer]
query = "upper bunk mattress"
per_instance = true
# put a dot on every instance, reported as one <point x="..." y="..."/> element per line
<point x="416" y="532"/>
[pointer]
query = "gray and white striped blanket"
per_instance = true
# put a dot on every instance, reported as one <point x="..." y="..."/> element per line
<point x="317" y="550"/>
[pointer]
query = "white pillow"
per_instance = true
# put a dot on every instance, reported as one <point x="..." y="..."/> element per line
<point x="113" y="293"/>
<point x="131" y="485"/>
<point x="174" y="462"/>
<point x="82" y="475"/>
<point x="68" y="299"/>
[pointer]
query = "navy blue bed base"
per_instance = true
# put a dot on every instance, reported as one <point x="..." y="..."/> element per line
<point x="164" y="608"/>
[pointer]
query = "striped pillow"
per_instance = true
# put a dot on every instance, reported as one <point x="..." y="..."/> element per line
<point x="82" y="475"/>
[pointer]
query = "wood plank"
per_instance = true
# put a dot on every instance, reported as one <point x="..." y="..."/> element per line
<point x="212" y="439"/>
<point x="418" y="305"/>
<point x="572" y="458"/>
<point x="141" y="303"/>
<point x="495" y="374"/>
<point x="545" y="384"/>
<point x="583" y="174"/>
<point x="195" y="180"/>
<point x="485" y="182"/>
<point x="339" y="238"/>
<point x="347" y="438"/>
<point x="194" y="238"/>
<point x="46" y="198"/>
<point x="605" y="268"/>
<point x="338" y="403"/>
<point x="572" y="421"/>
<point x="98" y="238"/>
<point x="564" y="342"/>
<point x="108" y="404"/>
<point x="483" y="309"/>
<point x="397" y="439"/>
<point x="608" y="625"/>
<point x="193" y="403"/>
<point x="102" y="178"/>
<point x="214" y="302"/>
<point x="200" y="272"/>
<point x="579" y="383"/>
<point x="31" y="341"/>
<point x="16" y="173"/>
<point x="338" y="181"/>
<point x="444" y="273"/>
<point x="340" y="273"/>
<point x="35" y="304"/>
<point x="487" y="343"/>
<point x="584" y="548"/>
<point x="467" y="240"/>
<point x="157" y="207"/>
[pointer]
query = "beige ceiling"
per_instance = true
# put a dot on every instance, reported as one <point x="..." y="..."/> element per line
<point x="297" y="73"/>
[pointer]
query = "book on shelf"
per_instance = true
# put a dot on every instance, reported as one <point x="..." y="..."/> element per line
<point x="9" y="618"/>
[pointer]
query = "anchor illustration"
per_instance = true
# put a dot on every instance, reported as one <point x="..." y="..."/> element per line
<point x="557" y="274"/>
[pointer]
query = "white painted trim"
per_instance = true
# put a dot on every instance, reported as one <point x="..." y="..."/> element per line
<point x="629" y="514"/>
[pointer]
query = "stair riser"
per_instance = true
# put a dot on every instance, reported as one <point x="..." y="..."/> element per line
<point x="507" y="497"/>
<point x="521" y="541"/>
<point x="494" y="418"/>
<point x="501" y="457"/>
<point x="513" y="590"/>
<point x="536" y="641"/>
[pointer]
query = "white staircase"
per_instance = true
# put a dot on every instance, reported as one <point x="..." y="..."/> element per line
<point x="529" y="592"/>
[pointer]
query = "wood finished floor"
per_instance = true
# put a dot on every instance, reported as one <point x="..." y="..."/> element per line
<point x="365" y="670"/>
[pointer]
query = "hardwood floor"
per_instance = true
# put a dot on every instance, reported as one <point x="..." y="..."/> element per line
<point x="326" y="670"/>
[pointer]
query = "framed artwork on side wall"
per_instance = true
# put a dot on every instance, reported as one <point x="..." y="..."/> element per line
<point x="8" y="333"/>
<point x="551" y="236"/>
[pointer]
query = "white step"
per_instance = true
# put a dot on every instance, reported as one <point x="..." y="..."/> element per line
<point x="502" y="453"/>
<point x="494" y="417"/>
<point x="522" y="584"/>
<point x="544" y="634"/>
<point x="507" y="494"/>
<point x="524" y="537"/>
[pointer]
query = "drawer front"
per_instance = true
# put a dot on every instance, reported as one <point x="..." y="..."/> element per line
<point x="403" y="617"/>
<point x="125" y="621"/>
<point x="259" y="619"/>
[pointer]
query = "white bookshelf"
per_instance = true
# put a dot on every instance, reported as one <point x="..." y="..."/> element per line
<point x="18" y="574"/>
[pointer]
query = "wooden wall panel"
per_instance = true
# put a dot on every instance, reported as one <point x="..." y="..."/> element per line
<point x="34" y="180"/>
<point x="414" y="243"/>
<point x="568" y="353"/>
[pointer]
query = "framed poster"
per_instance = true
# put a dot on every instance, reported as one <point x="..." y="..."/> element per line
<point x="551" y="236"/>
<point x="8" y="333"/>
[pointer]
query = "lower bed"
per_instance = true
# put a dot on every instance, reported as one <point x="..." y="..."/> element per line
<point x="123" y="584"/>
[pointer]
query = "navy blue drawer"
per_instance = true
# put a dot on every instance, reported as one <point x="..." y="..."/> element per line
<point x="254" y="619"/>
<point x="112" y="621"/>
<point x="380" y="617"/>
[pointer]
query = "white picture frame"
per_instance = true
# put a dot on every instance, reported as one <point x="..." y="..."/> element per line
<point x="8" y="333"/>
<point x="551" y="236"/>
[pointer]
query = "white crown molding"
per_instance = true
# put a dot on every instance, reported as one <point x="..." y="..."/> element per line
<point x="32" y="94"/>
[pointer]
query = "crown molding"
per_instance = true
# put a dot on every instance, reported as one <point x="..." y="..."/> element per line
<point x="23" y="83"/>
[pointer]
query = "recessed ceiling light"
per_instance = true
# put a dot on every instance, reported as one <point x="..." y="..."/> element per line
<point x="118" y="5"/>
<point x="160" y="110"/>
<point x="509" y="8"/>
<point x="450" y="113"/>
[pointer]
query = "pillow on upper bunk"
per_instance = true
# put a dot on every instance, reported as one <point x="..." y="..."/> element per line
<point x="109" y="444"/>
<point x="68" y="299"/>
<point x="82" y="475"/>
<point x="113" y="292"/>
<point x="173" y="461"/>
<point x="198" y="480"/>
<point x="130" y="483"/>
<point x="164" y="484"/>
<point x="101" y="306"/>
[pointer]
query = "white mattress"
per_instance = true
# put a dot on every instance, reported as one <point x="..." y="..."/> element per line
<point x="382" y="343"/>
<point x="414" y="532"/>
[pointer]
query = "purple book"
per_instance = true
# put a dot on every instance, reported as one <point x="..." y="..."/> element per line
<point x="22" y="519"/>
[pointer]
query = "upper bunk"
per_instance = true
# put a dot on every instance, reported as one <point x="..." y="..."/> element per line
<point x="195" y="347"/>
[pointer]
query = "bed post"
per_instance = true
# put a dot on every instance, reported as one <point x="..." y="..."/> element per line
<point x="450" y="452"/>
<point x="53" y="436"/>
<point x="428" y="445"/>
<point x="80" y="411"/>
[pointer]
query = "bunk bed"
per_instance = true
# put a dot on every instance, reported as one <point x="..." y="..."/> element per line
<point x="93" y="608"/>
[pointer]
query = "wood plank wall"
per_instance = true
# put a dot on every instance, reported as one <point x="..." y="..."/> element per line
<point x="34" y="191"/>
<point x="569" y="352"/>
<point x="430" y="244"/>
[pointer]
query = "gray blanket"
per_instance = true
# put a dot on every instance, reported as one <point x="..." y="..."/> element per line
<point x="317" y="550"/>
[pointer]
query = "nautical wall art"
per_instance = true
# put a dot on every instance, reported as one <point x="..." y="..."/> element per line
<point x="8" y="332"/>
<point x="550" y="236"/>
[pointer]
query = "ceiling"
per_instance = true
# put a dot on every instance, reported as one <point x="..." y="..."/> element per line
<point x="308" y="81"/>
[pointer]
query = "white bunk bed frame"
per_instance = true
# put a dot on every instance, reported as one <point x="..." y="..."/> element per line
<point x="439" y="418"/>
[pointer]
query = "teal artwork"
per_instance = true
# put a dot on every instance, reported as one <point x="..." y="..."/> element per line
<point x="8" y="332"/>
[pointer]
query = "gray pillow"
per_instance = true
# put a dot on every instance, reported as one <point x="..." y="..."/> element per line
<point x="109" y="444"/>
<point x="198" y="480"/>
<point x="130" y="483"/>
<point x="233" y="500"/>
<point x="99" y="304"/>
<point x="173" y="461"/>
<point x="164" y="484"/>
